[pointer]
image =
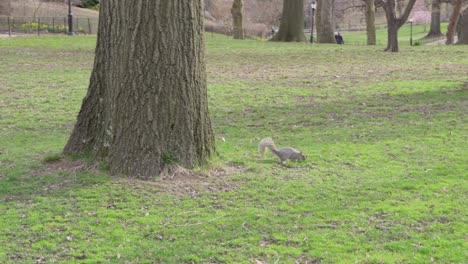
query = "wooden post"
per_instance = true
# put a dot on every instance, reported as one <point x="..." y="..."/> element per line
<point x="53" y="24"/>
<point x="38" y="26"/>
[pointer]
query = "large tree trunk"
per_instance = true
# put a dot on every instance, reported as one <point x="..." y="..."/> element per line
<point x="393" y="22"/>
<point x="318" y="17"/>
<point x="434" y="31"/>
<point x="237" y="15"/>
<point x="392" y="34"/>
<point x="146" y="104"/>
<point x="370" y="22"/>
<point x="327" y="22"/>
<point x="292" y="22"/>
<point x="462" y="28"/>
<point x="457" y="6"/>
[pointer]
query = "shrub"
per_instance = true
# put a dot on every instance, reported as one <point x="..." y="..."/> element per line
<point x="34" y="26"/>
<point x="93" y="4"/>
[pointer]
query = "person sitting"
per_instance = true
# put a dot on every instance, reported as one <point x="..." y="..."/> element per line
<point x="338" y="38"/>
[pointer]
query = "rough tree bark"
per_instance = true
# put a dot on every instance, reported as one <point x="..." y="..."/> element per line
<point x="146" y="104"/>
<point x="393" y="22"/>
<point x="434" y="30"/>
<point x="462" y="28"/>
<point x="457" y="6"/>
<point x="292" y="22"/>
<point x="327" y="22"/>
<point x="237" y="17"/>
<point x="318" y="16"/>
<point x="370" y="22"/>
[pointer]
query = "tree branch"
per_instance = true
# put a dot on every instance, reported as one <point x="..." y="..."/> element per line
<point x="404" y="17"/>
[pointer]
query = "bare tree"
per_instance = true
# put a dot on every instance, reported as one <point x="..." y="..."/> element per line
<point x="457" y="7"/>
<point x="146" y="105"/>
<point x="37" y="8"/>
<point x="394" y="23"/>
<point x="368" y="8"/>
<point x="5" y="7"/>
<point x="434" y="30"/>
<point x="237" y="12"/>
<point x="462" y="28"/>
<point x="264" y="11"/>
<point x="292" y="22"/>
<point x="370" y="22"/>
<point x="327" y="22"/>
<point x="318" y="17"/>
<point x="208" y="5"/>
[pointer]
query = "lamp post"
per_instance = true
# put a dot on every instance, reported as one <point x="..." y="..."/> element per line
<point x="411" y="32"/>
<point x="313" y="5"/>
<point x="70" y="19"/>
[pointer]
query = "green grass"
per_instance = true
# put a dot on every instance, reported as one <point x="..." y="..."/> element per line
<point x="404" y="35"/>
<point x="384" y="180"/>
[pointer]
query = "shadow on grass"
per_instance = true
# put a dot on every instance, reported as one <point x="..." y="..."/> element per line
<point x="388" y="116"/>
<point x="54" y="178"/>
<point x="61" y="177"/>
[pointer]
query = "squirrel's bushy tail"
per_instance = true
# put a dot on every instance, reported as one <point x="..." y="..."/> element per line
<point x="264" y="144"/>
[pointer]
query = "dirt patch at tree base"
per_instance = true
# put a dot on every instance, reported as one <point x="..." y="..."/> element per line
<point x="181" y="182"/>
<point x="174" y="180"/>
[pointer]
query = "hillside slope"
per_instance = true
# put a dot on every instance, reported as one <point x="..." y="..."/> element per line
<point x="35" y="8"/>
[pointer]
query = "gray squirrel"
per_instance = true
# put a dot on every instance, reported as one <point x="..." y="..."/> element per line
<point x="283" y="154"/>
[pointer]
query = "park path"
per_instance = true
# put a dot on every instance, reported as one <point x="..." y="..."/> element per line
<point x="441" y="42"/>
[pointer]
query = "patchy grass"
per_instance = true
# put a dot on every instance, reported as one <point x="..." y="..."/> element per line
<point x="404" y="35"/>
<point x="384" y="180"/>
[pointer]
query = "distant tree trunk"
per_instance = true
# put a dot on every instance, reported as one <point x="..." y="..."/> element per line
<point x="327" y="22"/>
<point x="457" y="6"/>
<point x="462" y="28"/>
<point x="237" y="16"/>
<point x="434" y="31"/>
<point x="392" y="35"/>
<point x="393" y="22"/>
<point x="37" y="7"/>
<point x="292" y="22"/>
<point x="146" y="105"/>
<point x="208" y="5"/>
<point x="370" y="22"/>
<point x="318" y="17"/>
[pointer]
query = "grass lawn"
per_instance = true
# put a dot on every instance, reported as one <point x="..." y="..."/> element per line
<point x="384" y="180"/>
<point x="418" y="32"/>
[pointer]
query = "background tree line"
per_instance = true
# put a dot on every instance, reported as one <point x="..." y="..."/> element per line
<point x="397" y="13"/>
<point x="261" y="18"/>
<point x="6" y="6"/>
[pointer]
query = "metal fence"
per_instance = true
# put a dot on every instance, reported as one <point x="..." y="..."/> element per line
<point x="46" y="25"/>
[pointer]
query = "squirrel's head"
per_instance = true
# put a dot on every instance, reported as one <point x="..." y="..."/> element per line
<point x="299" y="156"/>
